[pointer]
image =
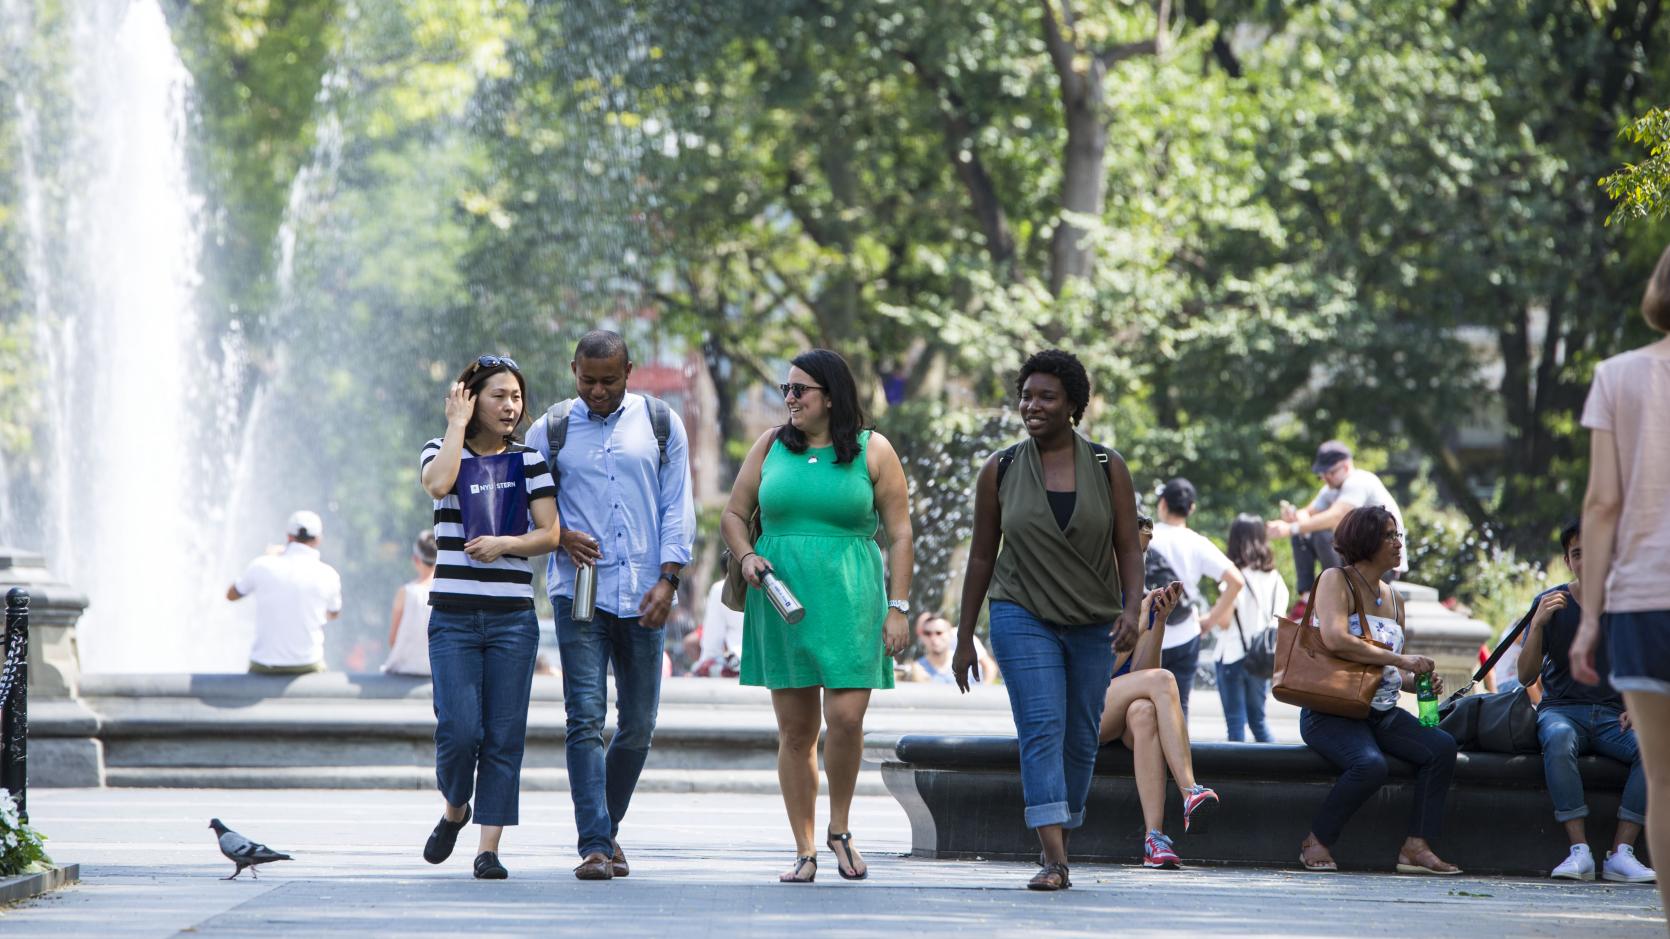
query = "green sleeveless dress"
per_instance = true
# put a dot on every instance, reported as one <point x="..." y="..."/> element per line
<point x="817" y="528"/>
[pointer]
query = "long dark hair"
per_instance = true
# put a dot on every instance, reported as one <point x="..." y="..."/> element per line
<point x="846" y="417"/>
<point x="1249" y="543"/>
<point x="474" y="378"/>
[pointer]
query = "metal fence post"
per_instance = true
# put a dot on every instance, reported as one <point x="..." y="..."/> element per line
<point x="14" y="701"/>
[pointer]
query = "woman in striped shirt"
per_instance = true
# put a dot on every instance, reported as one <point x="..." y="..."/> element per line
<point x="495" y="506"/>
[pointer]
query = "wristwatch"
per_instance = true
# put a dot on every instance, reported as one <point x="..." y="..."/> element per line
<point x="903" y="606"/>
<point x="670" y="578"/>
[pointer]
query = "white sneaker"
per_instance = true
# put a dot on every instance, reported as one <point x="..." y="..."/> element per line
<point x="1623" y="868"/>
<point x="1579" y="865"/>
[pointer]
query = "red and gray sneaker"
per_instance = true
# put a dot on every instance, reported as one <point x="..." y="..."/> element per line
<point x="1157" y="853"/>
<point x="1195" y="799"/>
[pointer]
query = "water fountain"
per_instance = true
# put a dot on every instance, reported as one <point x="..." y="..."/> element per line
<point x="123" y="489"/>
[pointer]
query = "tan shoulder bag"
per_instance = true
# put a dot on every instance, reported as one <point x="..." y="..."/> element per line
<point x="1310" y="676"/>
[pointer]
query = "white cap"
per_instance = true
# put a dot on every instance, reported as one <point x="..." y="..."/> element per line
<point x="304" y="521"/>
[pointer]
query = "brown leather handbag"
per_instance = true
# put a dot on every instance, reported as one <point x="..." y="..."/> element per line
<point x="1310" y="676"/>
<point x="734" y="595"/>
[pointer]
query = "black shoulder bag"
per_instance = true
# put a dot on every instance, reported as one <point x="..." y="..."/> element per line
<point x="1505" y="722"/>
<point x="1260" y="658"/>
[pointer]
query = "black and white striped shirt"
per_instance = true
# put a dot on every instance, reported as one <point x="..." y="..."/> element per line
<point x="462" y="582"/>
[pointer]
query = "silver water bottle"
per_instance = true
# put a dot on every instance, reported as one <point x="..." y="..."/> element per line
<point x="781" y="597"/>
<point x="585" y="593"/>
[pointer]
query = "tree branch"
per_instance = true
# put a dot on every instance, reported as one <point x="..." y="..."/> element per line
<point x="1058" y="25"/>
<point x="959" y="131"/>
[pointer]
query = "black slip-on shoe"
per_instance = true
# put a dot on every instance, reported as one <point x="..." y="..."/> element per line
<point x="442" y="839"/>
<point x="487" y="867"/>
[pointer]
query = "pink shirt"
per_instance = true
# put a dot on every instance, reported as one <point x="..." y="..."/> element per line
<point x="1631" y="398"/>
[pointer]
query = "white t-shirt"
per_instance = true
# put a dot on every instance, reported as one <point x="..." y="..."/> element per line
<point x="721" y="625"/>
<point x="1258" y="604"/>
<point x="1192" y="556"/>
<point x="1363" y="488"/>
<point x="1628" y="398"/>
<point x="294" y="593"/>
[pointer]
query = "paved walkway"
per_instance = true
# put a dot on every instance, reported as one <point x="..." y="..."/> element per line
<point x="703" y="866"/>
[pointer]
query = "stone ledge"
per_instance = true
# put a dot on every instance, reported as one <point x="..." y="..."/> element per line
<point x="963" y="798"/>
<point x="23" y="887"/>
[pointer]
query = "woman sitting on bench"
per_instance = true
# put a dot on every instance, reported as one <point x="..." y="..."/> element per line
<point x="1143" y="711"/>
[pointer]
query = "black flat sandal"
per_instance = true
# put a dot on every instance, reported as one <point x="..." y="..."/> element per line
<point x="793" y="877"/>
<point x="444" y="837"/>
<point x="487" y="867"/>
<point x="1052" y="877"/>
<point x="836" y="843"/>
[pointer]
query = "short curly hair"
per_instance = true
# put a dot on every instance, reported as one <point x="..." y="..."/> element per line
<point x="1065" y="366"/>
<point x="1361" y="533"/>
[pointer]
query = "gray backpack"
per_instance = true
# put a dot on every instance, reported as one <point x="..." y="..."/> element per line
<point x="556" y="429"/>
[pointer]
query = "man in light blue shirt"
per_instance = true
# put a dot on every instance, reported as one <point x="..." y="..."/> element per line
<point x="624" y="497"/>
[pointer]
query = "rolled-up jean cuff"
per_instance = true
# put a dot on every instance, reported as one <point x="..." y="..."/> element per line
<point x="1581" y="811"/>
<point x="1051" y="813"/>
<point x="1625" y="815"/>
<point x="1074" y="820"/>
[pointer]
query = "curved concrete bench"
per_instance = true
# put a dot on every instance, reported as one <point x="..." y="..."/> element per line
<point x="963" y="797"/>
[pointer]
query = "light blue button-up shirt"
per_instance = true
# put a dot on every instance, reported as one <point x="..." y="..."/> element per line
<point x="614" y="488"/>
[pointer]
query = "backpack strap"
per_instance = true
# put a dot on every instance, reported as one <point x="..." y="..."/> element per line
<point x="556" y="434"/>
<point x="1004" y="458"/>
<point x="661" y="421"/>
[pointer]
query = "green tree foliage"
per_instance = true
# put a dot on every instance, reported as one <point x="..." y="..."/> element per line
<point x="1642" y="190"/>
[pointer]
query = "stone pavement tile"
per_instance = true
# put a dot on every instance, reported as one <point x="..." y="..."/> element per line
<point x="703" y="865"/>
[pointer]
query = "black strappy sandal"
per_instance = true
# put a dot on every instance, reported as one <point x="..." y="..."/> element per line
<point x="1043" y="879"/>
<point x="793" y="877"/>
<point x="836" y="842"/>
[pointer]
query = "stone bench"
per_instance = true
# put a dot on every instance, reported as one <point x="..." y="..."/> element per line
<point x="963" y="797"/>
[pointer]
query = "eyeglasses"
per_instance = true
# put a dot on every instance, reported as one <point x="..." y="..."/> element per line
<point x="798" y="390"/>
<point x="494" y="361"/>
<point x="1395" y="535"/>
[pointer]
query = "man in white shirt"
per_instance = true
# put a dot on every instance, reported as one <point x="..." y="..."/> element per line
<point x="721" y="650"/>
<point x="1344" y="487"/>
<point x="295" y="594"/>
<point x="1192" y="557"/>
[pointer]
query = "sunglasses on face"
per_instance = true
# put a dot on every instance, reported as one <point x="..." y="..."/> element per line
<point x="494" y="361"/>
<point x="797" y="390"/>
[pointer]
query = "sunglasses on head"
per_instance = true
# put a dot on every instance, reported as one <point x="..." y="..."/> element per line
<point x="797" y="390"/>
<point x="494" y="361"/>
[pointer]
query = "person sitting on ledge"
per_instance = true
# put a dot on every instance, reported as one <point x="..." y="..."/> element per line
<point x="934" y="634"/>
<point x="1370" y="542"/>
<point x="296" y="593"/>
<point x="1574" y="719"/>
<point x="1144" y="711"/>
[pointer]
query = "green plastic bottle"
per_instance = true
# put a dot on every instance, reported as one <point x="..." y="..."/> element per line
<point x="1428" y="699"/>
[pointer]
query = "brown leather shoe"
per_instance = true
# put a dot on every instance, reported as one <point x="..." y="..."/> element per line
<point x="596" y="866"/>
<point x="618" y="863"/>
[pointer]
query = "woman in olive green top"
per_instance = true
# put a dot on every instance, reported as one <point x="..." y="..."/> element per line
<point x="819" y="482"/>
<point x="1068" y="560"/>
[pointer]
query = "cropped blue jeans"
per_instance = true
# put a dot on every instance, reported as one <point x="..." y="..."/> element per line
<point x="481" y="664"/>
<point x="1057" y="677"/>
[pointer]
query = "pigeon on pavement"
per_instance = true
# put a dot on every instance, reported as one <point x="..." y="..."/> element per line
<point x="242" y="851"/>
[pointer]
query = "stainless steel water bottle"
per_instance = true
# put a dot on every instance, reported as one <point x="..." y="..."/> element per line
<point x="585" y="593"/>
<point x="781" y="597"/>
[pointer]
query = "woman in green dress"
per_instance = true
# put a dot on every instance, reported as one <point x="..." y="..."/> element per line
<point x="819" y="482"/>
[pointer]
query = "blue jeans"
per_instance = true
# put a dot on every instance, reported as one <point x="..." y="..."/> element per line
<point x="1057" y="678"/>
<point x="1359" y="747"/>
<point x="601" y="781"/>
<point x="1181" y="661"/>
<point x="1567" y="731"/>
<point x="481" y="662"/>
<point x="1243" y="700"/>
